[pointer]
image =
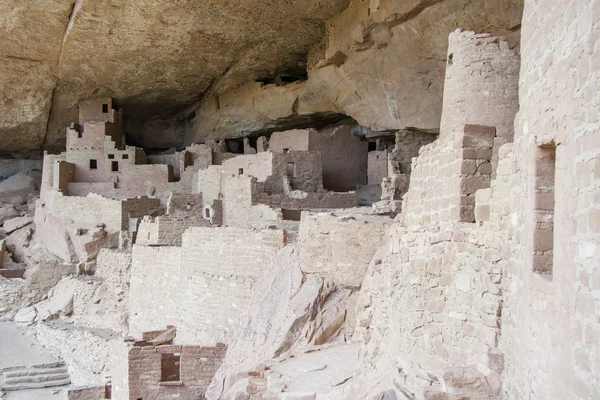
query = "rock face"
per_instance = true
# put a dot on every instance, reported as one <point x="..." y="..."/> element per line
<point x="146" y="55"/>
<point x="158" y="58"/>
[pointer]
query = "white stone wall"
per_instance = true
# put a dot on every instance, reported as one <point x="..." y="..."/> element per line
<point x="204" y="286"/>
<point x="550" y="330"/>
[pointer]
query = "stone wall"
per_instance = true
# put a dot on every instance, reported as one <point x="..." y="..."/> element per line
<point x="167" y="230"/>
<point x="377" y="168"/>
<point x="481" y="86"/>
<point x="550" y="319"/>
<point x="201" y="287"/>
<point x="447" y="174"/>
<point x="339" y="248"/>
<point x="156" y="281"/>
<point x="197" y="366"/>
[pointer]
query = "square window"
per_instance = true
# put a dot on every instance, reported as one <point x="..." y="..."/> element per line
<point x="93" y="164"/>
<point x="240" y="171"/>
<point x="111" y="156"/>
<point x="286" y="150"/>
<point x="125" y="156"/>
<point x="105" y="108"/>
<point x="115" y="166"/>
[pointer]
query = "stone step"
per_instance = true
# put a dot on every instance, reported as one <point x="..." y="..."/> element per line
<point x="38" y="385"/>
<point x="35" y="379"/>
<point x="35" y="372"/>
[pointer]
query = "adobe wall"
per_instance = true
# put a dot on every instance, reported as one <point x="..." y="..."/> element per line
<point x="204" y="286"/>
<point x="208" y="183"/>
<point x="408" y="144"/>
<point x="197" y="367"/>
<point x="64" y="173"/>
<point x="87" y="393"/>
<point x="339" y="248"/>
<point x="550" y="332"/>
<point x="481" y="85"/>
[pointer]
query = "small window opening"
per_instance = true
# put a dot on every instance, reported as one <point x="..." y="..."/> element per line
<point x="111" y="156"/>
<point x="291" y="170"/>
<point x="115" y="166"/>
<point x="108" y="391"/>
<point x="170" y="367"/>
<point x="79" y="134"/>
<point x="125" y="156"/>
<point x="105" y="108"/>
<point x="372" y="146"/>
<point x="543" y="192"/>
<point x="291" y="215"/>
<point x="93" y="164"/>
<point x="286" y="150"/>
<point x="207" y="212"/>
<point x="240" y="171"/>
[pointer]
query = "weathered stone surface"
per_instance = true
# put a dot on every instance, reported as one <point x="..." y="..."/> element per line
<point x="160" y="58"/>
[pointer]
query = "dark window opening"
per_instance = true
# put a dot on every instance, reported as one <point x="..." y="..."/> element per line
<point x="240" y="171"/>
<point x="125" y="156"/>
<point x="111" y="156"/>
<point x="207" y="213"/>
<point x="105" y="108"/>
<point x="79" y="134"/>
<point x="544" y="201"/>
<point x="291" y="170"/>
<point x="93" y="164"/>
<point x="108" y="392"/>
<point x="286" y="150"/>
<point x="170" y="367"/>
<point x="115" y="166"/>
<point x="372" y="146"/>
<point x="291" y="215"/>
<point x="235" y="146"/>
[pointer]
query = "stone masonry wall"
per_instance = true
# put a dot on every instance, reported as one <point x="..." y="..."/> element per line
<point x="481" y="85"/>
<point x="219" y="269"/>
<point x="339" y="248"/>
<point x="202" y="287"/>
<point x="155" y="287"/>
<point x="197" y="366"/>
<point x="447" y="174"/>
<point x="550" y="331"/>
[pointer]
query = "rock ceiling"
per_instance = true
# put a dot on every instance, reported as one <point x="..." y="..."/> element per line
<point x="150" y="55"/>
<point x="381" y="62"/>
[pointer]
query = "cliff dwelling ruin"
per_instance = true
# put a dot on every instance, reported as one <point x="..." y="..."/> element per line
<point x="316" y="200"/>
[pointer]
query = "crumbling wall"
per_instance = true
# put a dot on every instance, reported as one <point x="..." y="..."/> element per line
<point x="167" y="230"/>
